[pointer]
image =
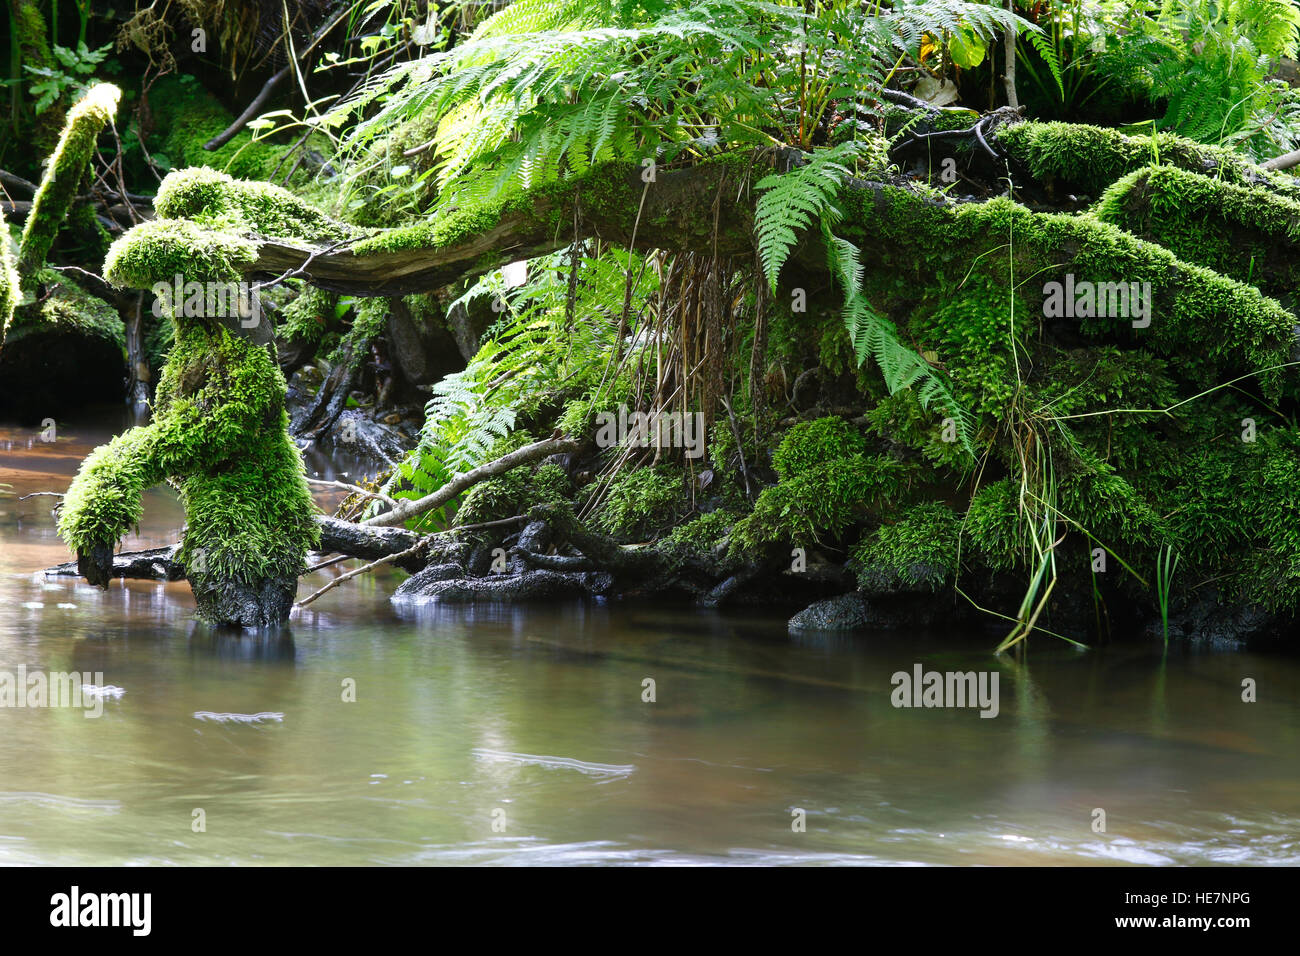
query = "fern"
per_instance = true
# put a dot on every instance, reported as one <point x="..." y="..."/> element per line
<point x="791" y="202"/>
<point x="875" y="337"/>
<point x="537" y="93"/>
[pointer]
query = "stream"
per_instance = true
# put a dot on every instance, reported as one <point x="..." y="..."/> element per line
<point x="519" y="735"/>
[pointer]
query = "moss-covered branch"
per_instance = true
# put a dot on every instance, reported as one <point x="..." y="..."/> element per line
<point x="63" y="175"/>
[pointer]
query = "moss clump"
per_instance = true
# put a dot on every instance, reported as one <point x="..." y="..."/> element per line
<point x="1247" y="232"/>
<point x="215" y="199"/>
<point x="159" y="251"/>
<point x="513" y="493"/>
<point x="307" y="318"/>
<point x="641" y="503"/>
<point x="63" y="174"/>
<point x="1087" y="159"/>
<point x="901" y="419"/>
<point x="917" y="552"/>
<point x="994" y="525"/>
<point x="220" y="431"/>
<point x="827" y="482"/>
<point x="810" y="445"/>
<point x="704" y="533"/>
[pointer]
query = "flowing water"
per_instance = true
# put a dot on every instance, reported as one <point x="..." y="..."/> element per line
<point x="520" y="735"/>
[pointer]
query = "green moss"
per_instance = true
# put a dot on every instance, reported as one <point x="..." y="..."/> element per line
<point x="10" y="293"/>
<point x="1218" y="327"/>
<point x="514" y="492"/>
<point x="641" y="502"/>
<point x="901" y="419"/>
<point x="308" y="317"/>
<point x="215" y="199"/>
<point x="972" y="330"/>
<point x="705" y="532"/>
<point x="810" y="445"/>
<point x="159" y="251"/>
<point x="606" y="190"/>
<point x="1087" y="159"/>
<point x="1247" y="232"/>
<point x="822" y="502"/>
<point x="220" y="430"/>
<point x="63" y="174"/>
<point x="994" y="525"/>
<point x="64" y="308"/>
<point x="186" y="116"/>
<point x="919" y="551"/>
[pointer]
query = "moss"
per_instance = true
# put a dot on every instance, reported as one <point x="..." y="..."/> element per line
<point x="10" y="292"/>
<point x="64" y="308"/>
<point x="994" y="525"/>
<point x="901" y="419"/>
<point x="63" y="174"/>
<point x="186" y="116"/>
<point x="703" y="533"/>
<point x="31" y="47"/>
<point x="1247" y="232"/>
<point x="514" y="492"/>
<point x="641" y="503"/>
<point x="810" y="445"/>
<point x="1218" y="327"/>
<point x="972" y="331"/>
<point x="159" y="251"/>
<point x="220" y="430"/>
<point x="213" y="198"/>
<point x="604" y="191"/>
<point x="1087" y="159"/>
<point x="307" y="318"/>
<point x="919" y="551"/>
<point x="822" y="502"/>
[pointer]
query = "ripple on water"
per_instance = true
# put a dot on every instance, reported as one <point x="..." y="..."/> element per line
<point x="54" y="801"/>
<point x="265" y="716"/>
<point x="603" y="770"/>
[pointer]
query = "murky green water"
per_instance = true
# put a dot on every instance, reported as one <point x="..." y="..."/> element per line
<point x="532" y="719"/>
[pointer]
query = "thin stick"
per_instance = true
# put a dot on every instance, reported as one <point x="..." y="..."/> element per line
<point x="364" y="569"/>
<point x="355" y="489"/>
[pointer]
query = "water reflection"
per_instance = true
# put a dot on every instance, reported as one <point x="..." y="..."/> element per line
<point x="461" y="717"/>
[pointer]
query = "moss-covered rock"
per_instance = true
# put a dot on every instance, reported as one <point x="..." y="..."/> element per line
<point x="61" y="347"/>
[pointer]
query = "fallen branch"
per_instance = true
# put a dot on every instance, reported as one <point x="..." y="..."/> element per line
<point x="1285" y="161"/>
<point x="354" y="489"/>
<point x="252" y="110"/>
<point x="410" y="509"/>
<point x="364" y="569"/>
